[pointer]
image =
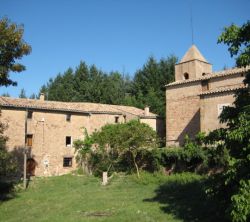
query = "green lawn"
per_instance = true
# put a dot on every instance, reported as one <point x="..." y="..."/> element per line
<point x="82" y="198"/>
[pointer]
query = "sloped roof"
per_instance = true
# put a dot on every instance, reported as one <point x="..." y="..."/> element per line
<point x="212" y="75"/>
<point x="133" y="110"/>
<point x="193" y="53"/>
<point x="224" y="89"/>
<point x="81" y="107"/>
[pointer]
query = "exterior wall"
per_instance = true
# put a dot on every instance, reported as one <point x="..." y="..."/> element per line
<point x="194" y="68"/>
<point x="210" y="111"/>
<point x="183" y="112"/>
<point x="150" y="122"/>
<point x="231" y="80"/>
<point x="49" y="130"/>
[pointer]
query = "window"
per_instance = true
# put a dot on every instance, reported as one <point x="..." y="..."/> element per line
<point x="117" y="119"/>
<point x="67" y="162"/>
<point x="29" y="114"/>
<point x="68" y="117"/>
<point x="29" y="140"/>
<point x="186" y="76"/>
<point x="221" y="107"/>
<point x="68" y="140"/>
<point x="204" y="85"/>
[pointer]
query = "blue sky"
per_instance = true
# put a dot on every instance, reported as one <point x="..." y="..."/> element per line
<point x="116" y="34"/>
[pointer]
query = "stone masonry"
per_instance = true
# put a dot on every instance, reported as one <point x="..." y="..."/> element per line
<point x="49" y="128"/>
<point x="196" y="98"/>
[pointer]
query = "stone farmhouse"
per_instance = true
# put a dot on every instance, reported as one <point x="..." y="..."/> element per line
<point x="197" y="97"/>
<point x="48" y="129"/>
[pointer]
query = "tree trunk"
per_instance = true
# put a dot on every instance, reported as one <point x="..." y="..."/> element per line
<point x="136" y="166"/>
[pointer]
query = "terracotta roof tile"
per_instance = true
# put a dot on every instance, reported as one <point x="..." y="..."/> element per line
<point x="193" y="53"/>
<point x="224" y="89"/>
<point x="212" y="75"/>
<point x="82" y="107"/>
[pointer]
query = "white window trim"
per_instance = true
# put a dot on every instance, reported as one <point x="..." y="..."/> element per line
<point x="221" y="106"/>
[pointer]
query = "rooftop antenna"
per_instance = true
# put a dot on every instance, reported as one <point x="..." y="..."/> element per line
<point x="191" y="22"/>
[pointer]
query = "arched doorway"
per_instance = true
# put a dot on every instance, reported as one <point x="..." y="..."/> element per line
<point x="31" y="167"/>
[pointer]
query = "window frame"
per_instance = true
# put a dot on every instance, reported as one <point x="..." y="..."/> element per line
<point x="29" y="114"/>
<point x="68" y="144"/>
<point x="67" y="161"/>
<point x="29" y="140"/>
<point x="68" y="117"/>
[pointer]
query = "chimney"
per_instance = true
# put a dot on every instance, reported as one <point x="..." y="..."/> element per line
<point x="42" y="97"/>
<point x="146" y="111"/>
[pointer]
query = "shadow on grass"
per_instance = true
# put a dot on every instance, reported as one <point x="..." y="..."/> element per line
<point x="187" y="201"/>
<point x="6" y="191"/>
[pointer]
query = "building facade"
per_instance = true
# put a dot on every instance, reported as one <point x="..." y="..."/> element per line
<point x="47" y="129"/>
<point x="197" y="97"/>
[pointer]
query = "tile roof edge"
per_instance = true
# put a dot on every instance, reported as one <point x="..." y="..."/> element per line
<point x="212" y="75"/>
<point x="222" y="90"/>
<point x="60" y="110"/>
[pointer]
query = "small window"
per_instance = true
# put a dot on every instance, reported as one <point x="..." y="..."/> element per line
<point x="29" y="140"/>
<point x="117" y="119"/>
<point x="220" y="107"/>
<point x="204" y="85"/>
<point x="29" y="114"/>
<point x="68" y="140"/>
<point x="186" y="76"/>
<point x="67" y="162"/>
<point x="68" y="117"/>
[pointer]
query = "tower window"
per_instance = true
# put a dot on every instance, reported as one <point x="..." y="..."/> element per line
<point x="186" y="75"/>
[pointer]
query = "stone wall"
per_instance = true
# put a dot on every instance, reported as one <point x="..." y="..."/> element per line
<point x="183" y="112"/>
<point x="211" y="107"/>
<point x="49" y="131"/>
<point x="225" y="81"/>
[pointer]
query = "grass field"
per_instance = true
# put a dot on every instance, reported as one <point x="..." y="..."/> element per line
<point x="125" y="198"/>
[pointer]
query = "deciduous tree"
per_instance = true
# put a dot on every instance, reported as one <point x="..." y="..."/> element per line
<point x="12" y="48"/>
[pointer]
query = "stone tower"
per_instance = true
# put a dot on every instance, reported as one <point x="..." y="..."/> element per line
<point x="192" y="66"/>
<point x="197" y="97"/>
<point x="182" y="97"/>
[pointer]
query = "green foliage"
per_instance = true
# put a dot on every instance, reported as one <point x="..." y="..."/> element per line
<point x="22" y="94"/>
<point x="240" y="211"/>
<point x="149" y="83"/>
<point x="6" y="94"/>
<point x="12" y="48"/>
<point x="238" y="41"/>
<point x="117" y="147"/>
<point x="89" y="84"/>
<point x="83" y="149"/>
<point x="232" y="186"/>
<point x="7" y="162"/>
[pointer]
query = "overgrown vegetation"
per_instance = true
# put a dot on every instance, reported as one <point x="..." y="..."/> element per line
<point x="118" y="147"/>
<point x="231" y="187"/>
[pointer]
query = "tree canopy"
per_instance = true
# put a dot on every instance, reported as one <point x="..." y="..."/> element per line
<point x="12" y="48"/>
<point x="233" y="185"/>
<point x="90" y="84"/>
